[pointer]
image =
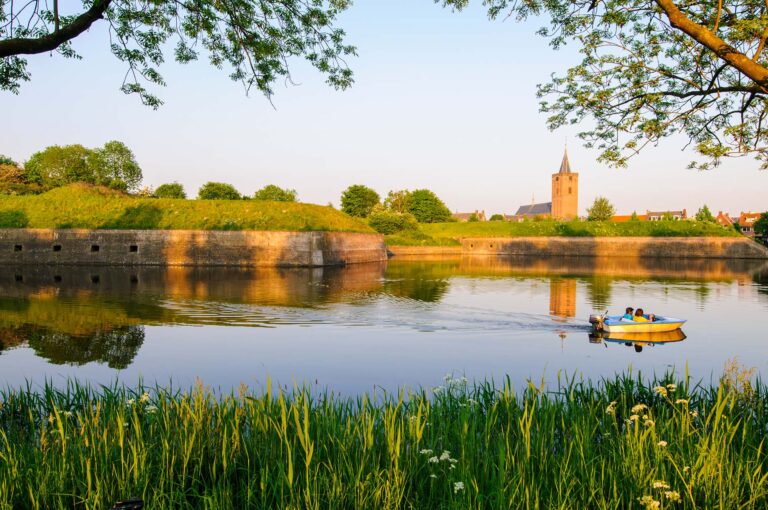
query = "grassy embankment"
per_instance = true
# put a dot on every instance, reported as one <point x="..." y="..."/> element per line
<point x="82" y="206"/>
<point x="621" y="443"/>
<point x="447" y="234"/>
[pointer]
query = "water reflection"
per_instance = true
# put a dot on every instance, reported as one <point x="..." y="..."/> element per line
<point x="78" y="315"/>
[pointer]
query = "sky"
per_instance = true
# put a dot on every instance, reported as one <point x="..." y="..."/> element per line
<point x="441" y="100"/>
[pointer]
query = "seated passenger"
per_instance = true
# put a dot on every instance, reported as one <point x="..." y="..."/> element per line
<point x="640" y="317"/>
<point x="628" y="314"/>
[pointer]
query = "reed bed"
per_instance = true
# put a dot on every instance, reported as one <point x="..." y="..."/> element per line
<point x="618" y="443"/>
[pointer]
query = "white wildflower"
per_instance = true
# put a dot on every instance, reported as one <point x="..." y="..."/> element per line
<point x="458" y="486"/>
<point x="433" y="476"/>
<point x="426" y="451"/>
<point x="151" y="409"/>
<point x="673" y="496"/>
<point x="671" y="387"/>
<point x="663" y="444"/>
<point x="144" y="398"/>
<point x="634" y="417"/>
<point x="434" y="460"/>
<point x="660" y="484"/>
<point x="446" y="455"/>
<point x="130" y="402"/>
<point x="67" y="414"/>
<point x="638" y="407"/>
<point x="649" y="503"/>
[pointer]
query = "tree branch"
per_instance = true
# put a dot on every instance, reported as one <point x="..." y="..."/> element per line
<point x="700" y="34"/>
<point x="49" y="42"/>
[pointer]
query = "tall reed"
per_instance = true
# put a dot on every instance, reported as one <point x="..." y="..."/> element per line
<point x="618" y="443"/>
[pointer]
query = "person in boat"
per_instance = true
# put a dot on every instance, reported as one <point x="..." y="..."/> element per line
<point x="628" y="315"/>
<point x="641" y="317"/>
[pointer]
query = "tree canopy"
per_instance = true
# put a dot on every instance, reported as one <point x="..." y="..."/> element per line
<point x="276" y="194"/>
<point x="761" y="225"/>
<point x="170" y="190"/>
<point x="427" y="207"/>
<point x="218" y="191"/>
<point x="601" y="210"/>
<point x="704" y="214"/>
<point x="653" y="68"/>
<point x="358" y="200"/>
<point x="254" y="40"/>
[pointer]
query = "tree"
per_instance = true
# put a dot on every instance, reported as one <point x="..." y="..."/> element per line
<point x="634" y="216"/>
<point x="254" y="39"/>
<point x="601" y="210"/>
<point x="497" y="217"/>
<point x="5" y="160"/>
<point x="358" y="200"/>
<point x="654" y="68"/>
<point x="170" y="190"/>
<point x="276" y="194"/>
<point x="397" y="201"/>
<point x="427" y="207"/>
<point x="473" y="218"/>
<point x="761" y="226"/>
<point x="667" y="216"/>
<point x="704" y="214"/>
<point x="56" y="166"/>
<point x="114" y="164"/>
<point x="218" y="191"/>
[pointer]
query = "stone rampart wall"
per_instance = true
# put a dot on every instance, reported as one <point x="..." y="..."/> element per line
<point x="188" y="247"/>
<point x="640" y="247"/>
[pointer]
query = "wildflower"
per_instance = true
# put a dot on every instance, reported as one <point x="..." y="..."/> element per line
<point x="686" y="469"/>
<point x="681" y="401"/>
<point x="446" y="455"/>
<point x="433" y="476"/>
<point x="130" y="402"/>
<point x="452" y="466"/>
<point x="671" y="387"/>
<point x="649" y="423"/>
<point x="67" y="414"/>
<point x="426" y="451"/>
<point x="437" y="389"/>
<point x="649" y="503"/>
<point x="660" y="484"/>
<point x="458" y="486"/>
<point x="638" y="407"/>
<point x="151" y="409"/>
<point x="634" y="417"/>
<point x="645" y="417"/>
<point x="611" y="409"/>
<point x="661" y="390"/>
<point x="694" y="414"/>
<point x="673" y="496"/>
<point x="434" y="460"/>
<point x="663" y="444"/>
<point x="50" y="419"/>
<point x="453" y="461"/>
<point x="144" y="398"/>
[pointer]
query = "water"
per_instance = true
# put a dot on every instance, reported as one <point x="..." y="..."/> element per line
<point x="372" y="326"/>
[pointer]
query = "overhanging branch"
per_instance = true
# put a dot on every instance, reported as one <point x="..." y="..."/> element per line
<point x="49" y="42"/>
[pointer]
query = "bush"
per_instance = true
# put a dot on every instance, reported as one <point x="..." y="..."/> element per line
<point x="704" y="214"/>
<point x="275" y="194"/>
<point x="358" y="200"/>
<point x="218" y="191"/>
<point x="497" y="217"/>
<point x="389" y="222"/>
<point x="601" y="210"/>
<point x="170" y="190"/>
<point x="427" y="207"/>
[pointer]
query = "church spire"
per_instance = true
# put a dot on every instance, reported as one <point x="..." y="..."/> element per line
<point x="565" y="166"/>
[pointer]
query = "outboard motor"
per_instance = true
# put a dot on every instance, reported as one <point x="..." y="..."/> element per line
<point x="597" y="321"/>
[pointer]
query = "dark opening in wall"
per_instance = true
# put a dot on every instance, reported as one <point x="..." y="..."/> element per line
<point x="95" y="278"/>
<point x="56" y="247"/>
<point x="134" y="279"/>
<point x="17" y="247"/>
<point x="57" y="279"/>
<point x="19" y="278"/>
<point x="94" y="247"/>
<point x="133" y="248"/>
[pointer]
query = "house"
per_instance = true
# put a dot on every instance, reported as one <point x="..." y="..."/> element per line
<point x="660" y="215"/>
<point x="533" y="210"/>
<point x="747" y="223"/>
<point x="724" y="219"/>
<point x="461" y="217"/>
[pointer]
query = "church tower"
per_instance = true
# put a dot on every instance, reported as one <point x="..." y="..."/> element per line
<point x="565" y="192"/>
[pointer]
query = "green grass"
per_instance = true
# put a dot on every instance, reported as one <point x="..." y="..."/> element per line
<point x="465" y="446"/>
<point x="446" y="234"/>
<point x="82" y="206"/>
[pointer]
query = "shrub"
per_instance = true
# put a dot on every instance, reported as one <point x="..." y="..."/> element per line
<point x="390" y="222"/>
<point x="497" y="217"/>
<point x="218" y="191"/>
<point x="170" y="190"/>
<point x="358" y="200"/>
<point x="704" y="214"/>
<point x="275" y="194"/>
<point x="427" y="207"/>
<point x="397" y="201"/>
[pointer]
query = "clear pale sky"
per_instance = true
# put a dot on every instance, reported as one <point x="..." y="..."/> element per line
<point x="442" y="100"/>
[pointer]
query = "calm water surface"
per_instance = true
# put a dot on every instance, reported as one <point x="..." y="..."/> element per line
<point x="407" y="322"/>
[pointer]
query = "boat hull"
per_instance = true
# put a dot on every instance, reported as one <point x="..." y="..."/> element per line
<point x="643" y="327"/>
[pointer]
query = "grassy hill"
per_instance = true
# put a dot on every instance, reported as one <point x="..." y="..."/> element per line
<point x="445" y="234"/>
<point x="84" y="206"/>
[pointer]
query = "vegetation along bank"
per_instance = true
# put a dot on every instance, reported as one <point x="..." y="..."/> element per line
<point x="619" y="443"/>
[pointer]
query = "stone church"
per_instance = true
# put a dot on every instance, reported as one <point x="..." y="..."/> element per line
<point x="565" y="197"/>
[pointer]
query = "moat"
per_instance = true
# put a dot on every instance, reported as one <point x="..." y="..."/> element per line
<point x="366" y="326"/>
